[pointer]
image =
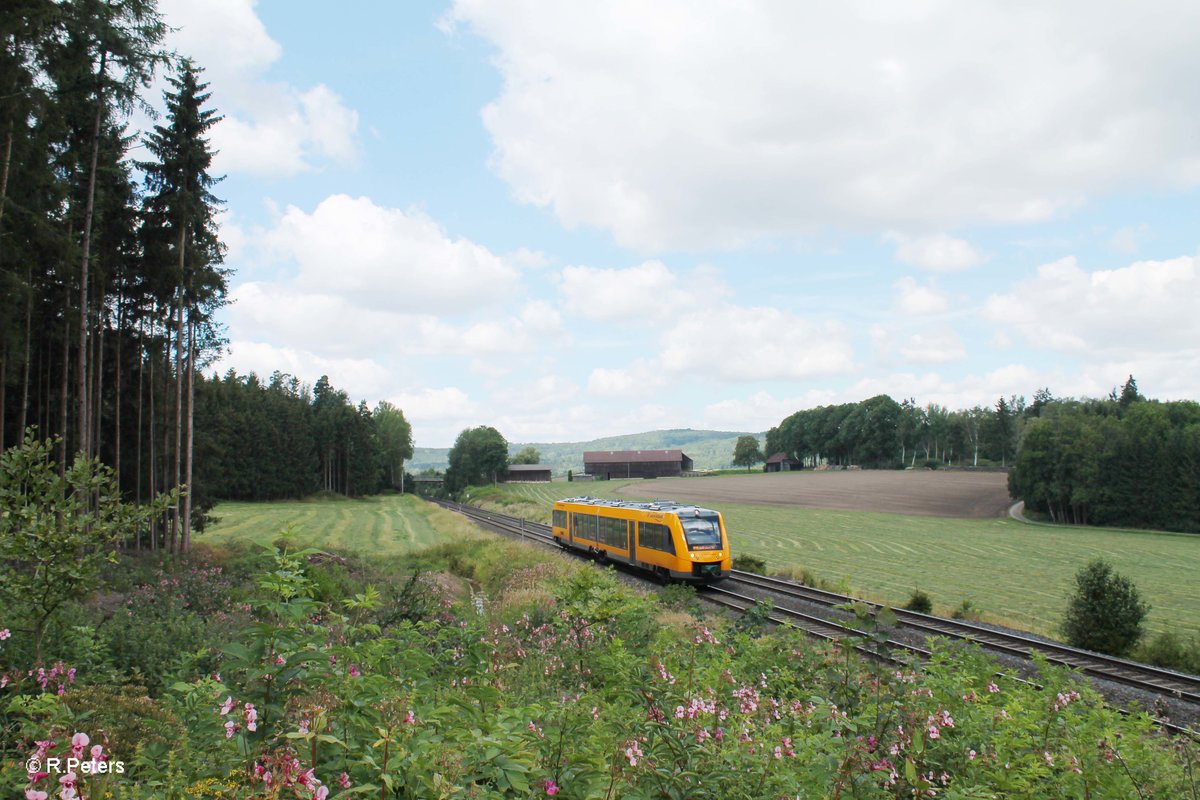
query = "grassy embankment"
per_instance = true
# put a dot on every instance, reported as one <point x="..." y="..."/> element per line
<point x="1011" y="572"/>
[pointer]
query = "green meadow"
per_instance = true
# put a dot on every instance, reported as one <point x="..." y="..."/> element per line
<point x="388" y="525"/>
<point x="1011" y="572"/>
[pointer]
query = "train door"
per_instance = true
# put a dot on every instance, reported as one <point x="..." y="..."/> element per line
<point x="631" y="532"/>
<point x="571" y="527"/>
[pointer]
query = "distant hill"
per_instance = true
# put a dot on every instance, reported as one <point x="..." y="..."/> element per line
<point x="707" y="449"/>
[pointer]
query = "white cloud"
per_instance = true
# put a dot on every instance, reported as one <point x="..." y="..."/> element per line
<point x="650" y="293"/>
<point x="225" y="36"/>
<point x="759" y="411"/>
<point x="269" y="128"/>
<point x="525" y="258"/>
<point x="355" y="278"/>
<point x="445" y="403"/>
<point x="673" y="128"/>
<point x="939" y="346"/>
<point x="326" y="323"/>
<point x="536" y="394"/>
<point x="387" y="259"/>
<point x="363" y="377"/>
<point x="739" y="343"/>
<point x="937" y="253"/>
<point x="1126" y="240"/>
<point x="953" y="392"/>
<point x="1147" y="307"/>
<point x="639" y="379"/>
<point x="912" y="298"/>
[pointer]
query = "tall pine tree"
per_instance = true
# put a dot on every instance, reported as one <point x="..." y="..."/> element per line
<point x="181" y="206"/>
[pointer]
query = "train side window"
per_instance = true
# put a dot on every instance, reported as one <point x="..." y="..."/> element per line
<point x="560" y="518"/>
<point x="584" y="526"/>
<point x="654" y="536"/>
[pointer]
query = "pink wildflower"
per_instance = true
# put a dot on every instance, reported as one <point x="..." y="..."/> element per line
<point x="4" y="634"/>
<point x="78" y="743"/>
<point x="409" y="719"/>
<point x="34" y="794"/>
<point x="344" y="780"/>
<point x="227" y="706"/>
<point x="321" y="793"/>
<point x="251" y="717"/>
<point x="230" y="729"/>
<point x="98" y="753"/>
<point x="354" y="673"/>
<point x="550" y="786"/>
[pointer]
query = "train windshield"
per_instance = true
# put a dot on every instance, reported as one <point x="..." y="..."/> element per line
<point x="702" y="532"/>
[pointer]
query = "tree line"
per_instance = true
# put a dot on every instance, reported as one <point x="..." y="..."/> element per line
<point x="283" y="439"/>
<point x="880" y="432"/>
<point x="110" y="268"/>
<point x="1121" y="461"/>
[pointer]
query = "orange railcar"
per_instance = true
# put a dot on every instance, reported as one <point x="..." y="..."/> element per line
<point x="677" y="542"/>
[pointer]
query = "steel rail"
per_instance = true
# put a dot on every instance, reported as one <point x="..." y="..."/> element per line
<point x="1130" y="673"/>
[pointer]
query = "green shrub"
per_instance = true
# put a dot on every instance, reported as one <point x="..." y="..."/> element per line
<point x="680" y="597"/>
<point x="749" y="563"/>
<point x="755" y="619"/>
<point x="966" y="611"/>
<point x="920" y="602"/>
<point x="126" y="718"/>
<point x="1106" y="611"/>
<point x="1171" y="652"/>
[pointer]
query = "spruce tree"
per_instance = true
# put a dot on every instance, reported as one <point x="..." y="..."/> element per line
<point x="181" y="205"/>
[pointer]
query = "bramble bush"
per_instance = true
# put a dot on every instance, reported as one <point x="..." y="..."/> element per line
<point x="592" y="692"/>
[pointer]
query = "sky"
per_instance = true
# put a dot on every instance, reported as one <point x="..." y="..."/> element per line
<point x="573" y="219"/>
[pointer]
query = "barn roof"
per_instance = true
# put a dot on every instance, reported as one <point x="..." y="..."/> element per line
<point x="779" y="458"/>
<point x="528" y="467"/>
<point x="632" y="456"/>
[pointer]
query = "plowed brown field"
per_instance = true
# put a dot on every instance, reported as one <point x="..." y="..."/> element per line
<point x="935" y="493"/>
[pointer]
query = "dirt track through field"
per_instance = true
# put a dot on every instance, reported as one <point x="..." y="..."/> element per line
<point x="935" y="493"/>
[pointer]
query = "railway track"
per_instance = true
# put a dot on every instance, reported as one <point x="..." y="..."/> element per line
<point x="1159" y="682"/>
<point x="1129" y="673"/>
